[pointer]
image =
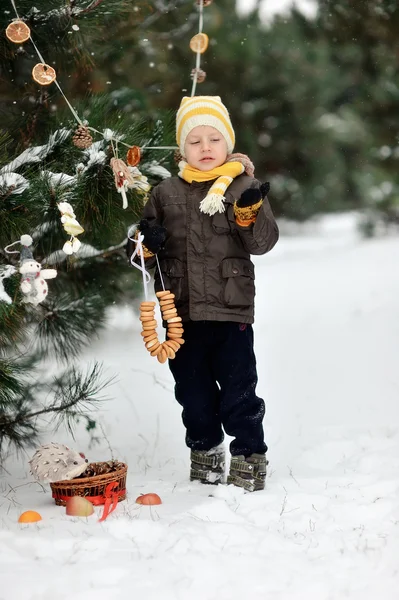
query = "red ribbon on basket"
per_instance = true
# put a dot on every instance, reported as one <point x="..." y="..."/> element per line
<point x="109" y="499"/>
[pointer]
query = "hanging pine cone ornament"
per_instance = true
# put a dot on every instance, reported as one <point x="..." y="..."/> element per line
<point x="177" y="156"/>
<point x="18" y="32"/>
<point x="82" y="137"/>
<point x="201" y="75"/>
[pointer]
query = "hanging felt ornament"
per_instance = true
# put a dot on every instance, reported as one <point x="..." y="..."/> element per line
<point x="18" y="32"/>
<point x="4" y="274"/>
<point x="123" y="178"/>
<point x="71" y="226"/>
<point x="33" y="278"/>
<point x="140" y="181"/>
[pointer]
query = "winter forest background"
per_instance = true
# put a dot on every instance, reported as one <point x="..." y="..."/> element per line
<point x="313" y="94"/>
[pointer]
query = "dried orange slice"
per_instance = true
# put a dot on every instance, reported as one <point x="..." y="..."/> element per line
<point x="43" y="74"/>
<point x="133" y="156"/>
<point x="199" y="43"/>
<point x="18" y="32"/>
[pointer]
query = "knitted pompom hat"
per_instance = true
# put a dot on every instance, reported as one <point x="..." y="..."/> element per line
<point x="203" y="110"/>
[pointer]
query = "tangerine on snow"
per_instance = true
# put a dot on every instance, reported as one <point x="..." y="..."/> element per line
<point x="18" y="32"/>
<point x="29" y="516"/>
<point x="43" y="74"/>
<point x="199" y="43"/>
<point x="149" y="499"/>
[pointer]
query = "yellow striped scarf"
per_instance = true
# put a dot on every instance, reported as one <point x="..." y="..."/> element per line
<point x="213" y="201"/>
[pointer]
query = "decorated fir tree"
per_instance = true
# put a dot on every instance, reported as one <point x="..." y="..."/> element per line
<point x="75" y="169"/>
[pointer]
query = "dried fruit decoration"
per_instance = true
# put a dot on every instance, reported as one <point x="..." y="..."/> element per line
<point x="43" y="74"/>
<point x="133" y="156"/>
<point x="18" y="32"/>
<point x="199" y="43"/>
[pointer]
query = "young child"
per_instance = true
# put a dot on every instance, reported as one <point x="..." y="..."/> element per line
<point x="203" y="225"/>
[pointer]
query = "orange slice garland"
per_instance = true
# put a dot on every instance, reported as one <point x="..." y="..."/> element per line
<point x="199" y="43"/>
<point x="18" y="32"/>
<point x="162" y="350"/>
<point x="43" y="74"/>
<point x="133" y="156"/>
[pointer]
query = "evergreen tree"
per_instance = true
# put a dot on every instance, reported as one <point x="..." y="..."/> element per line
<point x="42" y="166"/>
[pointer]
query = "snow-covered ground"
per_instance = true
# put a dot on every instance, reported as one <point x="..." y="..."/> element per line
<point x="326" y="527"/>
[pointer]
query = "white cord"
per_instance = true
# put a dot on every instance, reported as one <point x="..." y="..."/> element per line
<point x="198" y="57"/>
<point x="73" y="111"/>
<point x="139" y="252"/>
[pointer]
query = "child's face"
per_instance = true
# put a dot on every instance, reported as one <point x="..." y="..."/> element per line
<point x="205" y="148"/>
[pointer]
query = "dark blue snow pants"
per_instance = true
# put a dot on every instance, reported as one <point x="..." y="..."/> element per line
<point x="215" y="380"/>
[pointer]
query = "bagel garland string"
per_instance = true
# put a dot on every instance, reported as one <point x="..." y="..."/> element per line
<point x="167" y="349"/>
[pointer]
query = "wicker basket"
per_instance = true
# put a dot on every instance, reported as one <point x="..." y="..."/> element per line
<point x="93" y="488"/>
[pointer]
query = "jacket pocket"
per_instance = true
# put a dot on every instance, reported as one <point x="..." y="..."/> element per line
<point x="173" y="275"/>
<point x="224" y="222"/>
<point x="239" y="277"/>
<point x="221" y="224"/>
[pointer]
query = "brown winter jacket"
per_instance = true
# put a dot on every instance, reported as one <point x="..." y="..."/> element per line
<point x="206" y="259"/>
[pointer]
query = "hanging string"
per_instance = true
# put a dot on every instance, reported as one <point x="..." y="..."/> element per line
<point x="10" y="246"/>
<point x="160" y="272"/>
<point x="140" y="253"/>
<point x="73" y="111"/>
<point x="198" y="57"/>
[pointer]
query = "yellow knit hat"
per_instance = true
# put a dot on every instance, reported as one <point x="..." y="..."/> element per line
<point x="203" y="110"/>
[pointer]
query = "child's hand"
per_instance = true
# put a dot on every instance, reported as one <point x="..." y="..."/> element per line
<point x="252" y="196"/>
<point x="154" y="237"/>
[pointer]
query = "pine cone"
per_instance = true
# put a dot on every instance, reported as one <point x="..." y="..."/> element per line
<point x="82" y="137"/>
<point x="201" y="75"/>
<point x="177" y="156"/>
<point x="101" y="468"/>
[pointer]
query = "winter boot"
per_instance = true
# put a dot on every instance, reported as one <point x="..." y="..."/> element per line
<point x="248" y="473"/>
<point x="207" y="466"/>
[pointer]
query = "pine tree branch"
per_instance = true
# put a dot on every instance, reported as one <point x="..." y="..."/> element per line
<point x="91" y="7"/>
<point x="163" y="9"/>
<point x="74" y="395"/>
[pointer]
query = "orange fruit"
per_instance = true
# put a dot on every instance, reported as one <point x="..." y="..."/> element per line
<point x="18" y="32"/>
<point x="199" y="43"/>
<point x="133" y="156"/>
<point x="148" y="499"/>
<point x="43" y="74"/>
<point x="29" y="516"/>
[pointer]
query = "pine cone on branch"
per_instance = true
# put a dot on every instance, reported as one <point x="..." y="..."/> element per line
<point x="82" y="137"/>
